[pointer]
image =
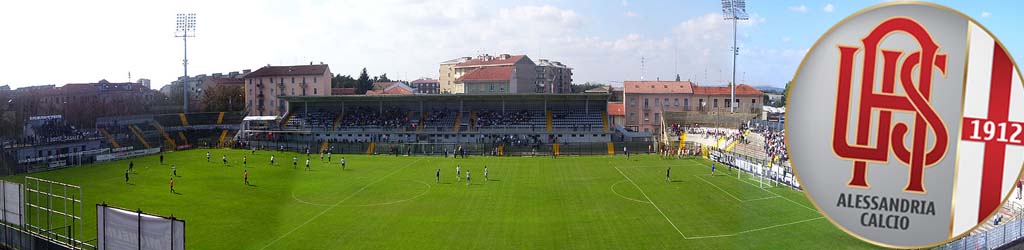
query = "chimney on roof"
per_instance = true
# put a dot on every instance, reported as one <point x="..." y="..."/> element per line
<point x="310" y="62"/>
<point x="321" y="62"/>
<point x="247" y="71"/>
<point x="543" y="60"/>
<point x="466" y="58"/>
<point x="504" y="56"/>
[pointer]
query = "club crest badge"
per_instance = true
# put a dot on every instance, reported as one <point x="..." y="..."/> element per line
<point x="905" y="124"/>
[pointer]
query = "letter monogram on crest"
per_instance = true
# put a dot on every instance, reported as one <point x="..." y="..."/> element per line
<point x="916" y="100"/>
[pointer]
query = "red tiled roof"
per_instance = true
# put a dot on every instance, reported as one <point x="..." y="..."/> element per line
<point x="296" y="70"/>
<point x="741" y="89"/>
<point x="503" y="73"/>
<point x="616" y="109"/>
<point x="658" y="87"/>
<point x="496" y="60"/>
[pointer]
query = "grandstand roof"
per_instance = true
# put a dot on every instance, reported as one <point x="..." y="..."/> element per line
<point x="464" y="97"/>
<point x="295" y="70"/>
<point x="502" y="73"/>
<point x="659" y="87"/>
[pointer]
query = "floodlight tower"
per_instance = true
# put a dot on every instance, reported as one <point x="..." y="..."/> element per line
<point x="186" y="27"/>
<point x="734" y="10"/>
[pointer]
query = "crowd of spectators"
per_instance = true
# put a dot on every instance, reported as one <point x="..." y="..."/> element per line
<point x="774" y="140"/>
<point x="490" y="118"/>
<point x="363" y="116"/>
<point x="54" y="131"/>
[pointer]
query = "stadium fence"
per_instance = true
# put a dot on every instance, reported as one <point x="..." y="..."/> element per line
<point x="437" y="149"/>
<point x="995" y="238"/>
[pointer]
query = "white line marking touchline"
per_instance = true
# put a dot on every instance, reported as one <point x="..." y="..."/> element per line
<point x="338" y="203"/>
<point x="753" y="230"/>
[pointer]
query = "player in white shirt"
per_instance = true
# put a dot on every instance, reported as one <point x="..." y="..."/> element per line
<point x="307" y="164"/>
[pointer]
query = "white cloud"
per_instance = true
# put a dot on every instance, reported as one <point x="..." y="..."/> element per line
<point x="986" y="14"/>
<point x="829" y="8"/>
<point x="408" y="42"/>
<point x="785" y="39"/>
<point x="629" y="13"/>
<point x="798" y="8"/>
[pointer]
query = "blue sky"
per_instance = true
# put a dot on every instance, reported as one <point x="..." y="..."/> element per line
<point x="84" y="41"/>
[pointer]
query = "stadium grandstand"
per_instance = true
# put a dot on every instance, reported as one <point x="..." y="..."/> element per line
<point x="729" y="140"/>
<point x="170" y="131"/>
<point x="496" y="124"/>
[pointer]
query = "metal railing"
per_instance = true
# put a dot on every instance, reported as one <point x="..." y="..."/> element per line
<point x="994" y="238"/>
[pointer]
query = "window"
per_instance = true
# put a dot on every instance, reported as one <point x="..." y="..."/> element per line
<point x="727" y="103"/>
<point x="753" y="101"/>
<point x="293" y="91"/>
<point x="632" y="102"/>
<point x="271" y="80"/>
<point x="261" y="80"/>
<point x="657" y="102"/>
<point x="666" y="101"/>
<point x="716" y="103"/>
<point x="647" y="116"/>
<point x="293" y="79"/>
<point x="676" y="102"/>
<point x="314" y="79"/>
<point x="657" y="117"/>
<point x="314" y="89"/>
<point x="645" y="103"/>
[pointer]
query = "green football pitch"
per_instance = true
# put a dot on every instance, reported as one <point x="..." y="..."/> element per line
<point x="388" y="202"/>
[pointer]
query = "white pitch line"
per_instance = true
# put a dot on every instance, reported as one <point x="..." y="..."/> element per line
<point x="753" y="230"/>
<point x="780" y="196"/>
<point x="716" y="186"/>
<point x="784" y="197"/>
<point x="398" y="201"/>
<point x="338" y="203"/>
<point x="652" y="203"/>
<point x="763" y="198"/>
<point x="623" y="196"/>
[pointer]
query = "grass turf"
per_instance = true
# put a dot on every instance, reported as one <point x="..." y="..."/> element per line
<point x="386" y="202"/>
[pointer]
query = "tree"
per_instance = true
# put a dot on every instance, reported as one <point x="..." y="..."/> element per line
<point x="785" y="94"/>
<point x="224" y="98"/>
<point x="382" y="78"/>
<point x="677" y="78"/>
<point x="343" y="81"/>
<point x="580" y="88"/>
<point x="363" y="83"/>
